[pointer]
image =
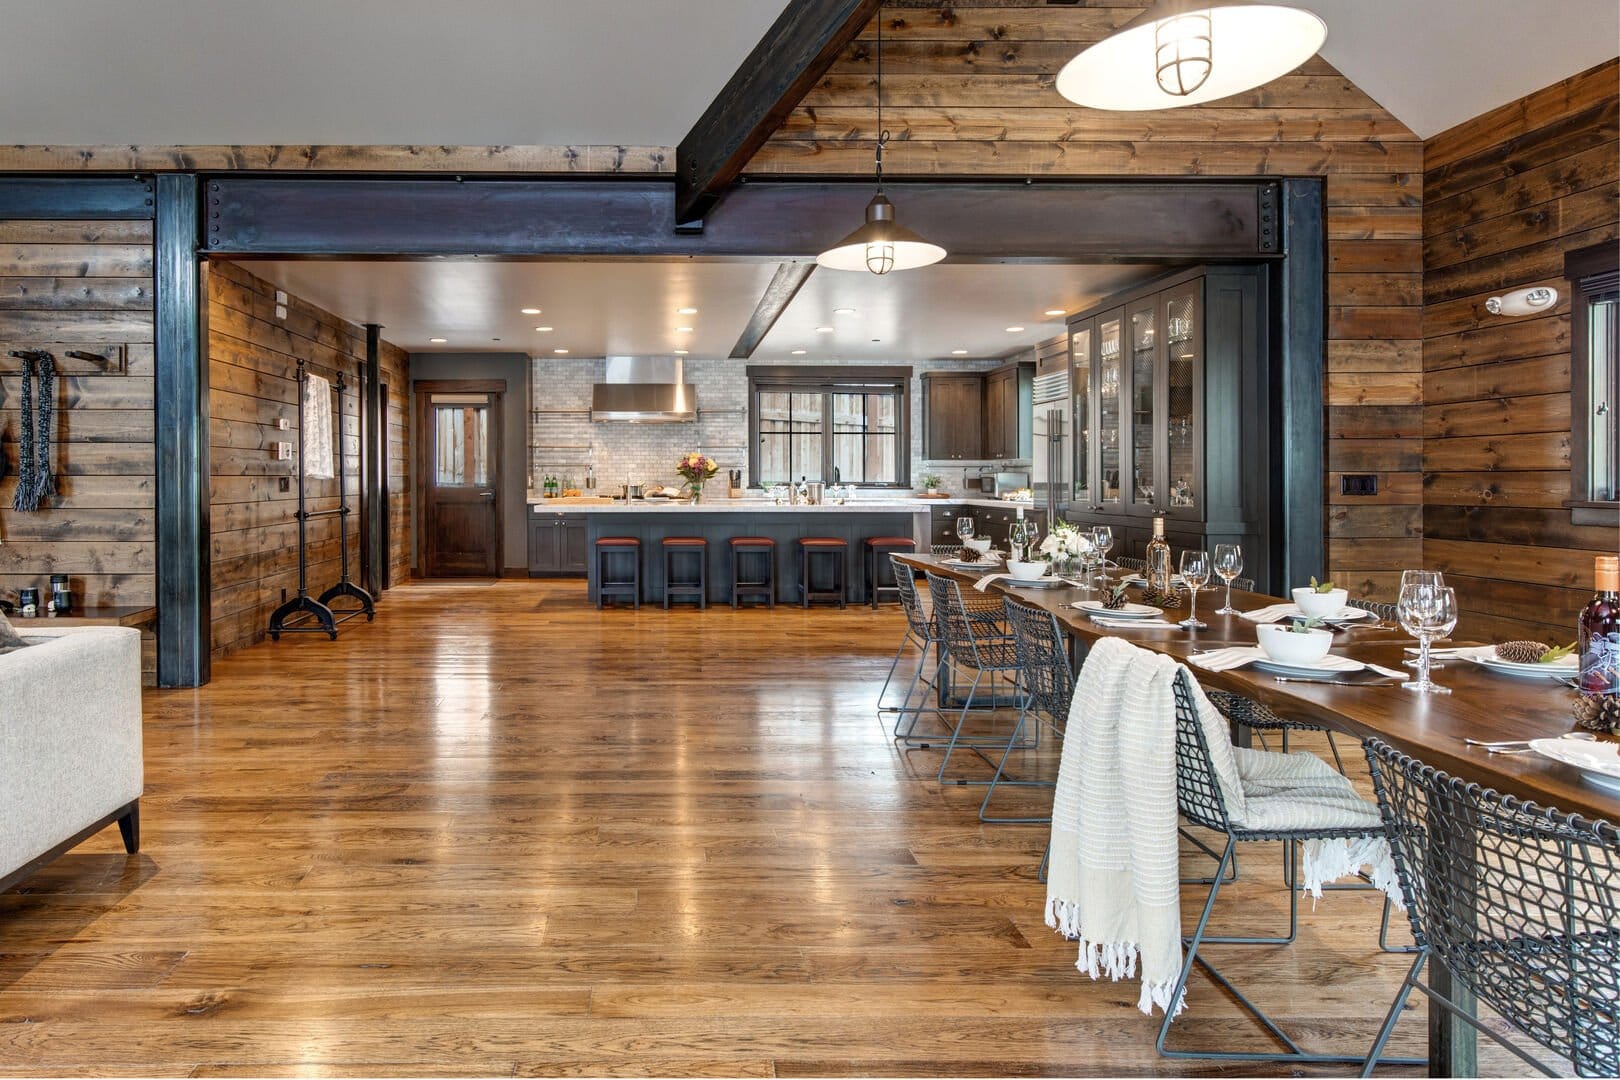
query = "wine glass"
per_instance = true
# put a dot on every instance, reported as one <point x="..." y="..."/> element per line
<point x="1195" y="572"/>
<point x="1021" y="536"/>
<point x="1228" y="564"/>
<point x="1426" y="612"/>
<point x="964" y="529"/>
<point x="1420" y="577"/>
<point x="1102" y="539"/>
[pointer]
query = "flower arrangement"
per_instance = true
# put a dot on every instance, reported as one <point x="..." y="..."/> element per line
<point x="1065" y="542"/>
<point x="694" y="469"/>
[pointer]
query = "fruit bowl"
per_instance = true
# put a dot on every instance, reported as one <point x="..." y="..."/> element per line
<point x="1288" y="646"/>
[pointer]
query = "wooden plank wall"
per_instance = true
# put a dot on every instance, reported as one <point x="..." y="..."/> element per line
<point x="253" y="358"/>
<point x="1506" y="195"/>
<point x="968" y="91"/>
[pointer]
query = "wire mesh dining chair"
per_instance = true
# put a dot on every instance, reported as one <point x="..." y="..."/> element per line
<point x="1200" y="801"/>
<point x="1519" y="902"/>
<point x="983" y="650"/>
<point x="920" y="635"/>
<point x="1047" y="678"/>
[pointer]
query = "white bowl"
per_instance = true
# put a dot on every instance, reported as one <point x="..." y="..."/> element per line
<point x="1027" y="571"/>
<point x="1320" y="605"/>
<point x="1283" y="645"/>
<point x="981" y="544"/>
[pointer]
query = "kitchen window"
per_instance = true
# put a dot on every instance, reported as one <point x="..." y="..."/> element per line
<point x="837" y="425"/>
<point x="1594" y="274"/>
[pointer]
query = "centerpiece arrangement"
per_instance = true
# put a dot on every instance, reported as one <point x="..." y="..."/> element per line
<point x="1063" y="545"/>
<point x="694" y="469"/>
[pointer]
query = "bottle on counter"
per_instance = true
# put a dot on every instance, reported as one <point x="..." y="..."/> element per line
<point x="1158" y="560"/>
<point x="1599" y="631"/>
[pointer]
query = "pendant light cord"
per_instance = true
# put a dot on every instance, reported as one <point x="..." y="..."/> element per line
<point x="883" y="136"/>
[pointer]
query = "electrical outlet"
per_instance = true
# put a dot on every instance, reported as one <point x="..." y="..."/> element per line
<point x="283" y="451"/>
<point x="1358" y="484"/>
<point x="282" y="423"/>
<point x="281" y="311"/>
<point x="286" y="483"/>
<point x="281" y="297"/>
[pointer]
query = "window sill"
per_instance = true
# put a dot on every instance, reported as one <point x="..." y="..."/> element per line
<point x="1584" y="512"/>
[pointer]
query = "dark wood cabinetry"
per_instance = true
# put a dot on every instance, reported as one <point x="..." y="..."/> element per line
<point x="1008" y="411"/>
<point x="953" y="416"/>
<point x="558" y="546"/>
<point x="1172" y="414"/>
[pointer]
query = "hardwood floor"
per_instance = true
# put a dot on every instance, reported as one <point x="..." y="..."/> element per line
<point x="500" y="833"/>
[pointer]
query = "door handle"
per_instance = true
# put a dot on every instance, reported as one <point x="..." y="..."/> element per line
<point x="486" y="494"/>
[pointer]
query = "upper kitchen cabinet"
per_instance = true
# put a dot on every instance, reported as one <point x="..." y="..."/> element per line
<point x="953" y="415"/>
<point x="1172" y="409"/>
<point x="1009" y="407"/>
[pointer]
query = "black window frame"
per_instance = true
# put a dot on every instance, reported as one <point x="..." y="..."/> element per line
<point x="1592" y="272"/>
<point x="827" y="381"/>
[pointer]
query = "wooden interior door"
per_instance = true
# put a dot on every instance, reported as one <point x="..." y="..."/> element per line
<point x="458" y="477"/>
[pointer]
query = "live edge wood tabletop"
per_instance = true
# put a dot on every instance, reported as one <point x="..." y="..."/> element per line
<point x="1430" y="727"/>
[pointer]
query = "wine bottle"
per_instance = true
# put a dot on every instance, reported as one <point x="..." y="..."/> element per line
<point x="1158" y="560"/>
<point x="1599" y="632"/>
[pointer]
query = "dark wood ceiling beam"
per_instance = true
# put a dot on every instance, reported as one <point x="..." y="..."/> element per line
<point x="796" y="51"/>
<point x="785" y="285"/>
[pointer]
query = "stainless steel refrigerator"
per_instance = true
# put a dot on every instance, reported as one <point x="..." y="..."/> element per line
<point x="1052" y="460"/>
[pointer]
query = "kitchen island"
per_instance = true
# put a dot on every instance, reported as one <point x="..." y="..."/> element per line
<point x="563" y="534"/>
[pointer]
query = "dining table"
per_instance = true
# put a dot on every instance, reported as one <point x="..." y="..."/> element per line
<point x="1482" y="705"/>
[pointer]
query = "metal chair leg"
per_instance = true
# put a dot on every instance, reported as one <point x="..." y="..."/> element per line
<point x="997" y="781"/>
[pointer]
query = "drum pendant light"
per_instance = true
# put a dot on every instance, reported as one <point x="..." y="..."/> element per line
<point x="882" y="244"/>
<point x="1186" y="52"/>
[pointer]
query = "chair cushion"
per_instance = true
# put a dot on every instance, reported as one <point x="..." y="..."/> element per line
<point x="685" y="541"/>
<point x="892" y="542"/>
<point x="751" y="541"/>
<point x="618" y="541"/>
<point x="823" y="542"/>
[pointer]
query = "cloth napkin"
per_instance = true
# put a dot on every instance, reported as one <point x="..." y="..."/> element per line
<point x="1134" y="624"/>
<point x="1272" y="613"/>
<point x="1239" y="656"/>
<point x="984" y="583"/>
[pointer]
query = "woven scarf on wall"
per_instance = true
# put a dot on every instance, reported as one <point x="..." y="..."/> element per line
<point x="35" y="480"/>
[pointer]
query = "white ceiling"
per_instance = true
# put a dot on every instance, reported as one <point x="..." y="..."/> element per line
<point x="612" y="308"/>
<point x="533" y="72"/>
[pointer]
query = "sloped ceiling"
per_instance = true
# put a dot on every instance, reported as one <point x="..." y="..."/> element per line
<point x="635" y="72"/>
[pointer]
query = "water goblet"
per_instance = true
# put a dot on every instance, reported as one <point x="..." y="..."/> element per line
<point x="964" y="529"/>
<point x="1228" y="564"/>
<point x="1426" y="612"/>
<point x="1195" y="573"/>
<point x="1419" y="577"/>
<point x="1102" y="538"/>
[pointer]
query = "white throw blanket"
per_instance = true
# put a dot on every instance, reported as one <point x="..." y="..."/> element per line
<point x="1113" y="883"/>
<point x="317" y="434"/>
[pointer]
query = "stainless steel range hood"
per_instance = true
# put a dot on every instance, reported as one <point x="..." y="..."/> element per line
<point x="643" y="390"/>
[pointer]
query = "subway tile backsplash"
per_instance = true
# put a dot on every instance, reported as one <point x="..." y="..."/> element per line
<point x="564" y="442"/>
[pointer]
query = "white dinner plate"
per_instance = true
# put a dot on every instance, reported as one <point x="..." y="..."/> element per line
<point x="1328" y="667"/>
<point x="1096" y="610"/>
<point x="1599" y="761"/>
<point x="1176" y="580"/>
<point x="977" y="565"/>
<point x="1485" y="656"/>
<point x="1047" y="582"/>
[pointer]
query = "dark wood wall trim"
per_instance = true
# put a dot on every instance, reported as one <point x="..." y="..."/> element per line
<point x="1303" y="374"/>
<point x="373" y="469"/>
<point x="52" y="199"/>
<point x="183" y="538"/>
<point x="794" y="53"/>
<point x="1184" y="220"/>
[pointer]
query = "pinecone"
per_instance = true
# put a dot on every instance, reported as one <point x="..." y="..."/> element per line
<point x="968" y="554"/>
<point x="1154" y="598"/>
<point x="1598" y="712"/>
<point x="1116" y="599"/>
<point x="1521" y="652"/>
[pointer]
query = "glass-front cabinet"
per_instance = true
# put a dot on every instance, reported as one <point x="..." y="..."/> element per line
<point x="1146" y="440"/>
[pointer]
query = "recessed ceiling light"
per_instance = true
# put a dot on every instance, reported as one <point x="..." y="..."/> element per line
<point x="560" y="352"/>
<point x="958" y="352"/>
<point x="683" y="329"/>
<point x="543" y="329"/>
<point x="843" y="311"/>
<point x="824" y="329"/>
<point x="686" y="311"/>
<point x="1054" y="311"/>
<point x="798" y="352"/>
<point x="437" y="340"/>
<point x="531" y="311"/>
<point x="680" y="352"/>
<point x="877" y="341"/>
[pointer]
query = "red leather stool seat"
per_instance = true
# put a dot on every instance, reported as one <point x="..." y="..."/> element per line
<point x="891" y="542"/>
<point x="618" y="541"/>
<point x="751" y="541"/>
<point x="684" y="541"/>
<point x="823" y="542"/>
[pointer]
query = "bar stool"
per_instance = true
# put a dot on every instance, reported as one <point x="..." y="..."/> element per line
<point x="764" y="587"/>
<point x="607" y="586"/>
<point x="824" y="546"/>
<point x="686" y="588"/>
<point x="878" y="550"/>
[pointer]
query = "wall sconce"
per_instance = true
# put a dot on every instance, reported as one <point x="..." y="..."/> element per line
<point x="1523" y="301"/>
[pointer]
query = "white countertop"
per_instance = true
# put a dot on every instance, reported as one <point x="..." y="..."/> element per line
<point x="723" y="505"/>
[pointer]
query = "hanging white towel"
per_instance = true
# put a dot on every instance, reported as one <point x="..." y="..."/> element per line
<point x="317" y="428"/>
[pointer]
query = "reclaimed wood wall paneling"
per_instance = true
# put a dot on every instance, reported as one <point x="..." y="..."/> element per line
<point x="1508" y="193"/>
